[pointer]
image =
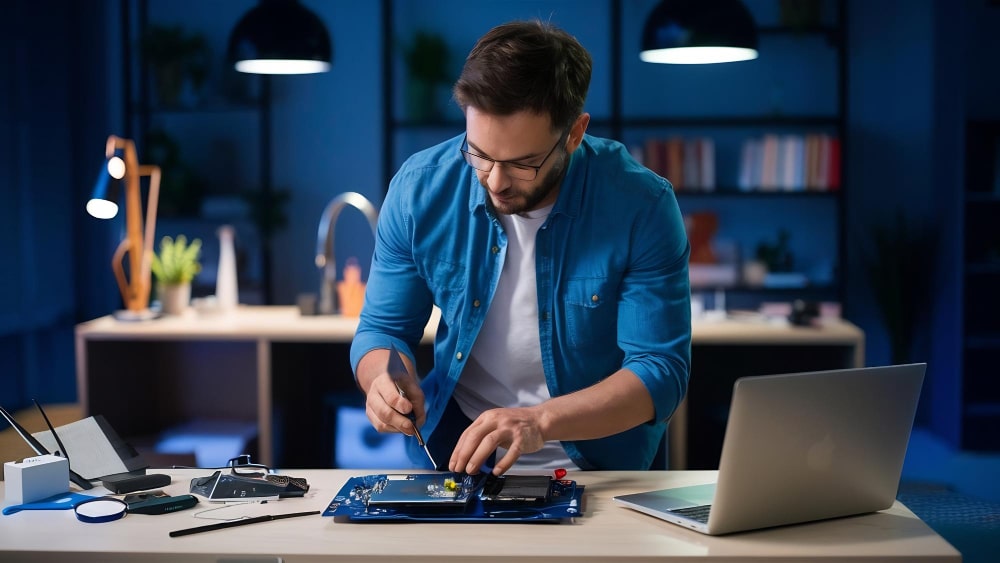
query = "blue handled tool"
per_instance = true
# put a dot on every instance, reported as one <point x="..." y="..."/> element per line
<point x="61" y="501"/>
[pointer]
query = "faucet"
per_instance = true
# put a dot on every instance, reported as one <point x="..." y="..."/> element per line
<point x="325" y="259"/>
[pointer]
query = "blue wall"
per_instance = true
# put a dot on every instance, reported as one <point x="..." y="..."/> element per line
<point x="917" y="68"/>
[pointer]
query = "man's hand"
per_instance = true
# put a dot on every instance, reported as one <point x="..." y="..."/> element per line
<point x="614" y="404"/>
<point x="518" y="430"/>
<point x="385" y="408"/>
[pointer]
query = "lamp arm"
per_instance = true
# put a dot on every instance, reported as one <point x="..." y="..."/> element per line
<point x="114" y="142"/>
<point x="119" y="270"/>
<point x="153" y="172"/>
<point x="138" y="243"/>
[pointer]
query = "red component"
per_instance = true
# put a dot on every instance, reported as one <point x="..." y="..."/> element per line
<point x="560" y="473"/>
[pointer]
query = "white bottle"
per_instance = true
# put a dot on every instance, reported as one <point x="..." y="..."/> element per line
<point x="226" y="292"/>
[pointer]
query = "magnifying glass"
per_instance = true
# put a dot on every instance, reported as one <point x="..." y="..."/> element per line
<point x="100" y="510"/>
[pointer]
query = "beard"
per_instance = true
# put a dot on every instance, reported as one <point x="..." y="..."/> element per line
<point x="514" y="201"/>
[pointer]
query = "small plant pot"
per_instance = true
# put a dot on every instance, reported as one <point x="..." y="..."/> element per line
<point x="754" y="273"/>
<point x="175" y="298"/>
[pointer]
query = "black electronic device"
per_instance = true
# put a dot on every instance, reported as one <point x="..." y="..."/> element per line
<point x="224" y="486"/>
<point x="517" y="489"/>
<point x="122" y="483"/>
<point x="804" y="313"/>
<point x="161" y="505"/>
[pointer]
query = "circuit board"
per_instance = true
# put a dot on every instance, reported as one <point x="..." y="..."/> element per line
<point x="452" y="497"/>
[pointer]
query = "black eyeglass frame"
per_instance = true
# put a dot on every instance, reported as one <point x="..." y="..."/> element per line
<point x="512" y="165"/>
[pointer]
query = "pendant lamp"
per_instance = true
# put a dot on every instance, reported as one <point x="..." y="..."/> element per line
<point x="699" y="32"/>
<point x="280" y="37"/>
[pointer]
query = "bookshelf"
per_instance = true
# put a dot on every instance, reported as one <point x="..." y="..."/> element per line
<point x="794" y="92"/>
<point x="980" y="390"/>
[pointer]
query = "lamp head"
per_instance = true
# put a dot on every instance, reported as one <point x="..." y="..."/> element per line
<point x="280" y="37"/>
<point x="103" y="202"/>
<point x="699" y="32"/>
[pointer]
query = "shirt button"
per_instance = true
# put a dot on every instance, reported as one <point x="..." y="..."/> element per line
<point x="475" y="303"/>
<point x="495" y="249"/>
<point x="458" y="356"/>
<point x="594" y="298"/>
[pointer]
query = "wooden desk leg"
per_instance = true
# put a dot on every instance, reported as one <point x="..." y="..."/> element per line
<point x="82" y="386"/>
<point x="677" y="436"/>
<point x="264" y="438"/>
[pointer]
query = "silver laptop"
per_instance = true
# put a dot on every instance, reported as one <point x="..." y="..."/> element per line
<point x="801" y="447"/>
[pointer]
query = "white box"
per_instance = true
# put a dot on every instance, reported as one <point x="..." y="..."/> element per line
<point x="35" y="478"/>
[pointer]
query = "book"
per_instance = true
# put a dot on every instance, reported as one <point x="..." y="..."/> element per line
<point x="675" y="162"/>
<point x="833" y="169"/>
<point x="692" y="166"/>
<point x="769" y="163"/>
<point x="707" y="163"/>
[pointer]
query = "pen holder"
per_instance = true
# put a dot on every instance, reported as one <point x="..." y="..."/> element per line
<point x="35" y="478"/>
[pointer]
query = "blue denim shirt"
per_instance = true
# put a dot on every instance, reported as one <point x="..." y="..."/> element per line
<point x="612" y="276"/>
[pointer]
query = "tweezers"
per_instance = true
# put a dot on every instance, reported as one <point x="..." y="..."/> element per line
<point x="397" y="370"/>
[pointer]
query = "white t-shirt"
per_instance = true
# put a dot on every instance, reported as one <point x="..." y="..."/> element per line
<point x="504" y="368"/>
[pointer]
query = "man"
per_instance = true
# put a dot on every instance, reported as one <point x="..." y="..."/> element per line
<point x="559" y="266"/>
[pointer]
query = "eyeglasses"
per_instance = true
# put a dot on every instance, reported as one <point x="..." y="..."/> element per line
<point x="515" y="169"/>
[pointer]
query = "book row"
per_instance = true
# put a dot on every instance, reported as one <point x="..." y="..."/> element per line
<point x="771" y="162"/>
<point x="790" y="163"/>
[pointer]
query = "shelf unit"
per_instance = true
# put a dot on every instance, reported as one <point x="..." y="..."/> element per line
<point x="980" y="388"/>
<point x="624" y="112"/>
<point x="220" y="134"/>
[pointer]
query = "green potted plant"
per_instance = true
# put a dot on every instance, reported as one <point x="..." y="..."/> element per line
<point x="426" y="57"/>
<point x="777" y="256"/>
<point x="176" y="59"/>
<point x="175" y="266"/>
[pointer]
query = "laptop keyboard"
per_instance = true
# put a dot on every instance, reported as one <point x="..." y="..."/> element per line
<point x="697" y="513"/>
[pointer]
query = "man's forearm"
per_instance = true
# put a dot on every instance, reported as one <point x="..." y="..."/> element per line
<point x="373" y="364"/>
<point x="615" y="404"/>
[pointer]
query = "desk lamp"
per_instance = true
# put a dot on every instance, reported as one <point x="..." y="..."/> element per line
<point x="699" y="32"/>
<point x="122" y="164"/>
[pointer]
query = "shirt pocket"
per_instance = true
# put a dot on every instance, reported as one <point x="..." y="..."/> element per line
<point x="448" y="282"/>
<point x="591" y="312"/>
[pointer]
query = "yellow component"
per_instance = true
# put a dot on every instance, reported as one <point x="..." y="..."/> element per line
<point x="450" y="484"/>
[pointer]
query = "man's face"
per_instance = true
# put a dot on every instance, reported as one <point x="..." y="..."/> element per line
<point x="521" y="141"/>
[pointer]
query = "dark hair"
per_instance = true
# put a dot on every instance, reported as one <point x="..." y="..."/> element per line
<point x="526" y="65"/>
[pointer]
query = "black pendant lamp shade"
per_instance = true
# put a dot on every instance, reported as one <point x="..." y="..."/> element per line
<point x="699" y="32"/>
<point x="280" y="37"/>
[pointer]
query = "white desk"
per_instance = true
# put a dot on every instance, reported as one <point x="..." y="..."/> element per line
<point x="606" y="532"/>
<point x="145" y="377"/>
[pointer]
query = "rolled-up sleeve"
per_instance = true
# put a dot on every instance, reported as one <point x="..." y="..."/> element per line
<point x="654" y="328"/>
<point x="397" y="300"/>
